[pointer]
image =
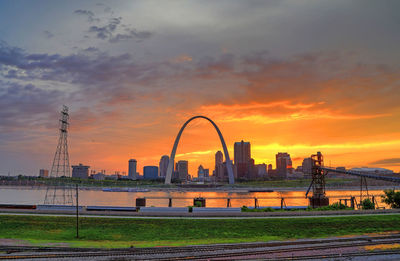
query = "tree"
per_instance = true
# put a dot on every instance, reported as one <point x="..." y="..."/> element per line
<point x="391" y="198"/>
<point x="367" y="204"/>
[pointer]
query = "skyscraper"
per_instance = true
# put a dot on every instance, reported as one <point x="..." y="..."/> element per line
<point x="132" y="169"/>
<point x="283" y="163"/>
<point x="163" y="166"/>
<point x="219" y="166"/>
<point x="200" y="173"/>
<point x="182" y="169"/>
<point x="243" y="162"/>
<point x="242" y="152"/>
<point x="219" y="158"/>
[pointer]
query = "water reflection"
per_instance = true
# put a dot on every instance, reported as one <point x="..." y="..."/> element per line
<point x="34" y="195"/>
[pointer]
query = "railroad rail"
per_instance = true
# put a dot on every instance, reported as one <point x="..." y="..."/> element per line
<point x="209" y="251"/>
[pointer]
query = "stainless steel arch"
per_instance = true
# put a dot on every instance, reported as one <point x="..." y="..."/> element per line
<point x="172" y="158"/>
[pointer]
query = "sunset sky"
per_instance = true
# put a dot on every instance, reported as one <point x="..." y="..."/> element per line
<point x="288" y="76"/>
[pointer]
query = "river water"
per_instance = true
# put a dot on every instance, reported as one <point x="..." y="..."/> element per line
<point x="180" y="198"/>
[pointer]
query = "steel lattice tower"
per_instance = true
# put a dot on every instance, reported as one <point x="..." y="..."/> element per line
<point x="60" y="193"/>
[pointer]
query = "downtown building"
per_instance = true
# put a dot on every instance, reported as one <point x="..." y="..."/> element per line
<point x="150" y="172"/>
<point x="203" y="174"/>
<point x="182" y="170"/>
<point x="244" y="164"/>
<point x="283" y="165"/>
<point x="80" y="171"/>
<point x="163" y="166"/>
<point x="132" y="165"/>
<point x="219" y="170"/>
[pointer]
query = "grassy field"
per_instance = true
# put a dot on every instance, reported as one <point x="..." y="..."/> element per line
<point x="106" y="232"/>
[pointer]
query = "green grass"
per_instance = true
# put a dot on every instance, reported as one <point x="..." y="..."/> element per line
<point x="107" y="232"/>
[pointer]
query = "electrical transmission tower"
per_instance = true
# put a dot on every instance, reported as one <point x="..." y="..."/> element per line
<point x="59" y="193"/>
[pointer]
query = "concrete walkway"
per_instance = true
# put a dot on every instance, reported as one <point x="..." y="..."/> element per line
<point x="203" y="215"/>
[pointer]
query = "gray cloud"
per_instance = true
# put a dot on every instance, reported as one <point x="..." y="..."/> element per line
<point x="102" y="77"/>
<point x="392" y="161"/>
<point x="113" y="31"/>
<point x="48" y="34"/>
<point x="110" y="31"/>
<point x="26" y="106"/>
<point x="89" y="14"/>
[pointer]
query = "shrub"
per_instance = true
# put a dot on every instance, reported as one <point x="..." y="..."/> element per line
<point x="246" y="209"/>
<point x="391" y="198"/>
<point x="334" y="206"/>
<point x="367" y="204"/>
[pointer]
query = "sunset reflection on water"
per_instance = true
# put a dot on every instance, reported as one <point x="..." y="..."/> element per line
<point x="180" y="198"/>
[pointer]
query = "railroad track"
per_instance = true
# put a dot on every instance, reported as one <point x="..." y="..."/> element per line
<point x="198" y="252"/>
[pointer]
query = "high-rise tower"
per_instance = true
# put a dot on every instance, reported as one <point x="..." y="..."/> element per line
<point x="163" y="166"/>
<point x="243" y="161"/>
<point x="132" y="169"/>
<point x="60" y="193"/>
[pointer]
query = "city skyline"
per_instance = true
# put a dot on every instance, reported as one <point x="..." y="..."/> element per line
<point x="287" y="76"/>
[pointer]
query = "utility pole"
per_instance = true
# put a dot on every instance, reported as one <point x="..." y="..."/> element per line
<point x="77" y="212"/>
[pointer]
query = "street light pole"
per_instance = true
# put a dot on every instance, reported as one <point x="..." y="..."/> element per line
<point x="77" y="212"/>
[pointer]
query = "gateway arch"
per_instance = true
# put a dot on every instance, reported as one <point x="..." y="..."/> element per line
<point x="226" y="154"/>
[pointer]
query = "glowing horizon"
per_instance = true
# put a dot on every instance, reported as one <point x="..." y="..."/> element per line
<point x="279" y="74"/>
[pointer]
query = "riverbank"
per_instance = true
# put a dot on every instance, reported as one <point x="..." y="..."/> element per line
<point x="205" y="213"/>
<point x="239" y="186"/>
<point x="117" y="232"/>
<point x="238" y="189"/>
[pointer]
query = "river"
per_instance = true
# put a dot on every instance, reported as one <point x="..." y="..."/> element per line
<point x="180" y="198"/>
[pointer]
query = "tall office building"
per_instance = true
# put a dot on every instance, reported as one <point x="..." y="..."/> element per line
<point x="244" y="164"/>
<point x="219" y="158"/>
<point x="242" y="152"/>
<point x="283" y="163"/>
<point x="200" y="173"/>
<point x="163" y="166"/>
<point x="132" y="169"/>
<point x="219" y="166"/>
<point x="182" y="169"/>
